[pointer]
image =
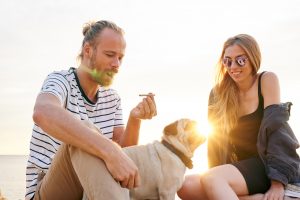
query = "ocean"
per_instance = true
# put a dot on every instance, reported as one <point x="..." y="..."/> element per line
<point x="12" y="176"/>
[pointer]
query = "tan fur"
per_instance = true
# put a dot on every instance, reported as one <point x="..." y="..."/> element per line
<point x="160" y="169"/>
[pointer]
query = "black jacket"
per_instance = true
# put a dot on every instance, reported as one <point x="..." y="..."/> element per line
<point x="277" y="144"/>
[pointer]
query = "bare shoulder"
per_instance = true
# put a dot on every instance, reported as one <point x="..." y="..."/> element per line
<point x="268" y="77"/>
<point x="270" y="88"/>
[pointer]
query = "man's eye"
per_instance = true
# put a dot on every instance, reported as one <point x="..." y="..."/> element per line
<point x="110" y="55"/>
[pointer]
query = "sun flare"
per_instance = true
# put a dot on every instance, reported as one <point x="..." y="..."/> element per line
<point x="200" y="155"/>
<point x="204" y="127"/>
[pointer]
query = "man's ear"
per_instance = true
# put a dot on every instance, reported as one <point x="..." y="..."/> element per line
<point x="87" y="50"/>
<point x="171" y="129"/>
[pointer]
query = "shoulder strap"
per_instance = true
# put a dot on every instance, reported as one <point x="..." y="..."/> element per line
<point x="260" y="96"/>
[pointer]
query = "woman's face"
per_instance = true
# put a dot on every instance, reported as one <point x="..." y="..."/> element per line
<point x="237" y="63"/>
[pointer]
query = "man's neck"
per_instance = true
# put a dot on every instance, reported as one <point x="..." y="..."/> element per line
<point x="89" y="86"/>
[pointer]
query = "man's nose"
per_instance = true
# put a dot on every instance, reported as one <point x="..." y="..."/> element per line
<point x="116" y="64"/>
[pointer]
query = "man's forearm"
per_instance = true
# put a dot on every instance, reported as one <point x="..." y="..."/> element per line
<point x="62" y="125"/>
<point x="131" y="133"/>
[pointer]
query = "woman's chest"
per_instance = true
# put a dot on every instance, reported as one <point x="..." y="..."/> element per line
<point x="248" y="103"/>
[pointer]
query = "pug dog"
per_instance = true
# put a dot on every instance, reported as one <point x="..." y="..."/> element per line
<point x="162" y="164"/>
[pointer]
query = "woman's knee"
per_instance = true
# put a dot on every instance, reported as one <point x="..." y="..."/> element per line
<point x="191" y="188"/>
<point x="224" y="175"/>
<point x="216" y="175"/>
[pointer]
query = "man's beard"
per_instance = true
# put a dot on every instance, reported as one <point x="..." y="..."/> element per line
<point x="103" y="78"/>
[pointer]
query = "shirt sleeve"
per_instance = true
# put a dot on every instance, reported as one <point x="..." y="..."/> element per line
<point x="57" y="85"/>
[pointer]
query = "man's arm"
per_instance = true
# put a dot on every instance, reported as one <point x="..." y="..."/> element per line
<point x="59" y="123"/>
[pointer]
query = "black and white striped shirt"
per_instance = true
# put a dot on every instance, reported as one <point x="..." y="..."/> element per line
<point x="106" y="114"/>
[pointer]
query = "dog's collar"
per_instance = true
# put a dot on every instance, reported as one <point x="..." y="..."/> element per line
<point x="187" y="161"/>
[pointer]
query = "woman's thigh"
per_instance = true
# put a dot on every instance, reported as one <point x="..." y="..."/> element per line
<point x="230" y="175"/>
<point x="253" y="171"/>
<point x="224" y="174"/>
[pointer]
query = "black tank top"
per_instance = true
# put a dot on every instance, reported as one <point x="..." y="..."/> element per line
<point x="242" y="139"/>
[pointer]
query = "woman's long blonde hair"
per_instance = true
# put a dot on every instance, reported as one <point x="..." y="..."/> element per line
<point x="224" y="99"/>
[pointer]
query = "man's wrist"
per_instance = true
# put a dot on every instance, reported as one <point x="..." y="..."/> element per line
<point x="133" y="117"/>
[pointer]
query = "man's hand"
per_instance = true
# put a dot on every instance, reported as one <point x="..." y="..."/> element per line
<point x="276" y="191"/>
<point x="146" y="109"/>
<point x="122" y="168"/>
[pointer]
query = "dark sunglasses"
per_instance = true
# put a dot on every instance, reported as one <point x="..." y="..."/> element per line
<point x="240" y="61"/>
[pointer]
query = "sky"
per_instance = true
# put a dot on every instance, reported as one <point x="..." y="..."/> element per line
<point x="172" y="50"/>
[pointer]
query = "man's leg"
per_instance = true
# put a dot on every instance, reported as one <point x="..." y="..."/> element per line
<point x="61" y="181"/>
<point x="95" y="178"/>
<point x="72" y="171"/>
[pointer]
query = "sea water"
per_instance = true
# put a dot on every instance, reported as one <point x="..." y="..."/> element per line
<point x="12" y="176"/>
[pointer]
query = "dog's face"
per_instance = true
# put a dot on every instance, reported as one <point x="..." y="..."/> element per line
<point x="184" y="131"/>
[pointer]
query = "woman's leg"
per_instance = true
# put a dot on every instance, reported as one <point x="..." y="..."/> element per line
<point x="253" y="169"/>
<point x="224" y="182"/>
<point x="191" y="188"/>
<point x="252" y="197"/>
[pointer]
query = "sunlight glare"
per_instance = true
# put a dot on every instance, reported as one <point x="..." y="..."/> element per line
<point x="204" y="127"/>
<point x="200" y="155"/>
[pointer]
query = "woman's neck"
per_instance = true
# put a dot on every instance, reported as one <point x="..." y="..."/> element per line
<point x="247" y="84"/>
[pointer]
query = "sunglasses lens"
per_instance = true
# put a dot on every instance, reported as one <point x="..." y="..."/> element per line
<point x="241" y="61"/>
<point x="227" y="62"/>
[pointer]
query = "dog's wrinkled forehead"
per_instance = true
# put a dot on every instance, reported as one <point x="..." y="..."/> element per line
<point x="181" y="124"/>
<point x="185" y="124"/>
<point x="180" y="127"/>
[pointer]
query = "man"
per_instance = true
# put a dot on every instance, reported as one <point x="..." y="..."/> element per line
<point x="68" y="99"/>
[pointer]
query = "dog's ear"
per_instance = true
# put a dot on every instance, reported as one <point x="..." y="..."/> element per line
<point x="171" y="129"/>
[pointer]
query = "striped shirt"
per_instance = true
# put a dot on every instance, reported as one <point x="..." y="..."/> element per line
<point x="106" y="114"/>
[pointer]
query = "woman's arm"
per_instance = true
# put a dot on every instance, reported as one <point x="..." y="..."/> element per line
<point x="271" y="93"/>
<point x="270" y="89"/>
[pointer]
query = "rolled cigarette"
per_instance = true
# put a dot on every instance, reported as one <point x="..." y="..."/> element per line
<point x="146" y="95"/>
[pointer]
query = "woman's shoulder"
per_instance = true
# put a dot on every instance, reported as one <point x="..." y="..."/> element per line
<point x="270" y="88"/>
<point x="268" y="76"/>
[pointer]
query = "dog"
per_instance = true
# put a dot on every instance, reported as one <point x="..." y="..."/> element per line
<point x="161" y="164"/>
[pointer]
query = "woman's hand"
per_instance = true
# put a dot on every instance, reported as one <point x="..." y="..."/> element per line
<point x="276" y="191"/>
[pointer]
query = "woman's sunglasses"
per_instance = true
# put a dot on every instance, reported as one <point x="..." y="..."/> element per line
<point x="240" y="61"/>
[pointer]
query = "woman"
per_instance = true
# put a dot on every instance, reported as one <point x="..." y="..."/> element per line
<point x="244" y="159"/>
